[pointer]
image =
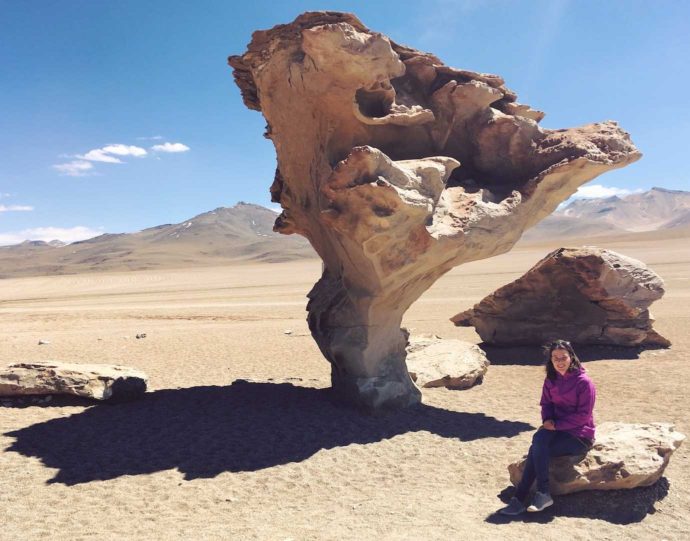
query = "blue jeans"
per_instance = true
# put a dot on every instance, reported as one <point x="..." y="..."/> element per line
<point x="545" y="444"/>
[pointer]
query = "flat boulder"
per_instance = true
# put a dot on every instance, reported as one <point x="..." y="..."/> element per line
<point x="97" y="381"/>
<point x="624" y="456"/>
<point x="586" y="295"/>
<point x="454" y="364"/>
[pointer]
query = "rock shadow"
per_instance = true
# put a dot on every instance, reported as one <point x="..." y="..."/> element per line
<point x="204" y="431"/>
<point x="614" y="506"/>
<point x="534" y="356"/>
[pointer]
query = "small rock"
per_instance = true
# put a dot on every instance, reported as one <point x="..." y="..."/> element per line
<point x="142" y="335"/>
<point x="453" y="364"/>
<point x="43" y="342"/>
<point x="98" y="381"/>
<point x="288" y="331"/>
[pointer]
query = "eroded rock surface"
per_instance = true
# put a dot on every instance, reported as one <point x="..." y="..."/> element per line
<point x="398" y="168"/>
<point x="97" y="381"/>
<point x="624" y="456"/>
<point x="585" y="295"/>
<point x="437" y="362"/>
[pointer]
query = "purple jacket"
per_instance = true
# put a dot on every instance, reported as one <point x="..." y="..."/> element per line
<point x="569" y="402"/>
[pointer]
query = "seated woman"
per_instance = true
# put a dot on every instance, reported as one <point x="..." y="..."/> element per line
<point x="567" y="402"/>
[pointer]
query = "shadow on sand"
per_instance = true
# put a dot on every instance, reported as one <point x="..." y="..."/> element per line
<point x="615" y="506"/>
<point x="204" y="431"/>
<point x="534" y="355"/>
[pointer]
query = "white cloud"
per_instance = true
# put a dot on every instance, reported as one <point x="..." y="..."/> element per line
<point x="9" y="208"/>
<point x="595" y="191"/>
<point x="69" y="234"/>
<point x="170" y="147"/>
<point x="77" y="168"/>
<point x="107" y="153"/>
<point x="125" y="150"/>
<point x="99" y="155"/>
<point x="152" y="138"/>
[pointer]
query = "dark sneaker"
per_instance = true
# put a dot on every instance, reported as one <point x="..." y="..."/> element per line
<point x="514" y="507"/>
<point x="541" y="501"/>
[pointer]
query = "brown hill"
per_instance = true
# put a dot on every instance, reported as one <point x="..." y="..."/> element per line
<point x="656" y="209"/>
<point x="238" y="234"/>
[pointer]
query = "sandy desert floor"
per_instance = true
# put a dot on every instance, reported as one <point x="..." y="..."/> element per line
<point x="237" y="438"/>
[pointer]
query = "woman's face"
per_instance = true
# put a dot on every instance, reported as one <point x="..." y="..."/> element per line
<point x="560" y="358"/>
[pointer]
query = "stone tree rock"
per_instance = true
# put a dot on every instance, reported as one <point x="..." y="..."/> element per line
<point x="437" y="362"/>
<point x="98" y="381"/>
<point x="585" y="295"/>
<point x="398" y="168"/>
<point x="624" y="456"/>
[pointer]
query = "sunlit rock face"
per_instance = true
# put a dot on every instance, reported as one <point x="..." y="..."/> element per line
<point x="586" y="295"/>
<point x="398" y="168"/>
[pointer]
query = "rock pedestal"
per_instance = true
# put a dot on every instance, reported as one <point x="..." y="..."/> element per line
<point x="97" y="381"/>
<point x="397" y="168"/>
<point x="584" y="295"/>
<point x="624" y="456"/>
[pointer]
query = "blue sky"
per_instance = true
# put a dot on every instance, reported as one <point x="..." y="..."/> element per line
<point x="140" y="92"/>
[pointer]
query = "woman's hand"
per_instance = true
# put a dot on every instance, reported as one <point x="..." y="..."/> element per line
<point x="549" y="424"/>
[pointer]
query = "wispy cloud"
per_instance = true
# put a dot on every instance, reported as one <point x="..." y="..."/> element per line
<point x="152" y="138"/>
<point x="543" y="37"/>
<point x="170" y="147"/>
<point x="69" y="234"/>
<point x="443" y="14"/>
<point x="107" y="153"/>
<point x="76" y="168"/>
<point x="99" y="155"/>
<point x="83" y="164"/>
<point x="18" y="208"/>
<point x="596" y="191"/>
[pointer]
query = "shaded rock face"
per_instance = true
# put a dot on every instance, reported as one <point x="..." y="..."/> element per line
<point x="453" y="364"/>
<point x="585" y="295"/>
<point x="624" y="456"/>
<point x="398" y="168"/>
<point x="97" y="381"/>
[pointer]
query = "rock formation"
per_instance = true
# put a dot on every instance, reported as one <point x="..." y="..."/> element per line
<point x="453" y="364"/>
<point x="585" y="295"/>
<point x="397" y="168"/>
<point x="624" y="456"/>
<point x="97" y="381"/>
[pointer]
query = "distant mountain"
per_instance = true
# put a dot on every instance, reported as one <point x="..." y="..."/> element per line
<point x="653" y="210"/>
<point x="241" y="233"/>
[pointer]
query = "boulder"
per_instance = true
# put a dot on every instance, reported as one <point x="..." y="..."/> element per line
<point x="453" y="364"/>
<point x="585" y="295"/>
<point x="397" y="168"/>
<point x="97" y="381"/>
<point x="624" y="456"/>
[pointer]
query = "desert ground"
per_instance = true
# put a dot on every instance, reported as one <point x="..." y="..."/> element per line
<point x="237" y="437"/>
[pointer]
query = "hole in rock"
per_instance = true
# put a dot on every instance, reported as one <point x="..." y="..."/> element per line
<point x="375" y="102"/>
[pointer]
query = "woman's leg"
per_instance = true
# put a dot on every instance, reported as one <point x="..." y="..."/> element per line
<point x="534" y="466"/>
<point x="541" y="451"/>
<point x="565" y="444"/>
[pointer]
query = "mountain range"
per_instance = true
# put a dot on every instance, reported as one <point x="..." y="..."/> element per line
<point x="244" y="233"/>
<point x="236" y="234"/>
<point x="653" y="210"/>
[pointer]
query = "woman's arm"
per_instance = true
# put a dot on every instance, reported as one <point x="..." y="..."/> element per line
<point x="547" y="411"/>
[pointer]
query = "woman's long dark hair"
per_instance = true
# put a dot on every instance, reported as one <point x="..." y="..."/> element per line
<point x="575" y="363"/>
